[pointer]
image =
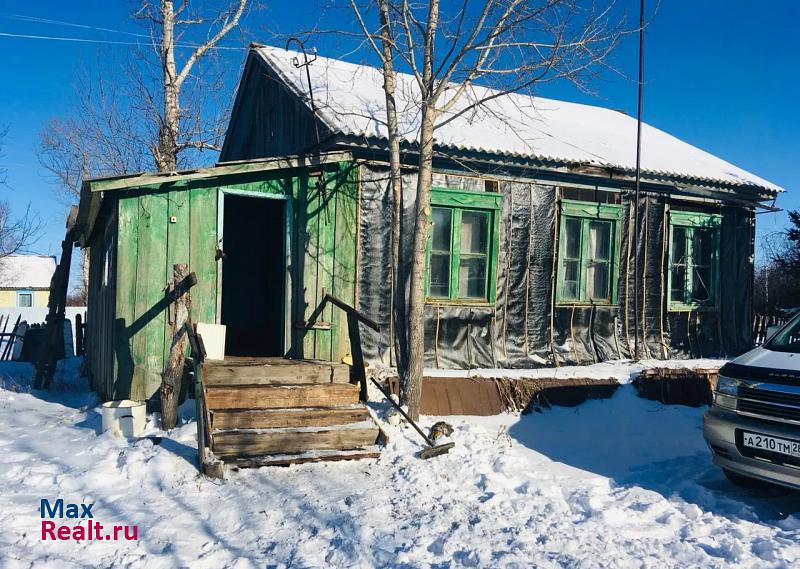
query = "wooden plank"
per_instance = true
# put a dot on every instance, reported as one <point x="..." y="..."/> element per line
<point x="273" y="397"/>
<point x="227" y="169"/>
<point x="243" y="443"/>
<point x="178" y="233"/>
<point x="308" y="286"/>
<point x="282" y="418"/>
<point x="326" y="251"/>
<point x="151" y="278"/>
<point x="460" y="396"/>
<point x="344" y="266"/>
<point x="288" y="460"/>
<point x="125" y="282"/>
<point x="202" y="253"/>
<point x="275" y="370"/>
<point x="268" y="374"/>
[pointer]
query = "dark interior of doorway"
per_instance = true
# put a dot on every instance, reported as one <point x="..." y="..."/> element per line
<point x="253" y="275"/>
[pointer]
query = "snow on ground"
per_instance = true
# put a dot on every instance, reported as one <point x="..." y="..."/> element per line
<point x="623" y="371"/>
<point x="622" y="482"/>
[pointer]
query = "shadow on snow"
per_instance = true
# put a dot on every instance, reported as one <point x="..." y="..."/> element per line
<point x="643" y="443"/>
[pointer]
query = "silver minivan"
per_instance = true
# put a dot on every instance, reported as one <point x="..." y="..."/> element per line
<point x="753" y="425"/>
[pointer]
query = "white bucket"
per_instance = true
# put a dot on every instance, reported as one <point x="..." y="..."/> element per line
<point x="213" y="340"/>
<point x="124" y="418"/>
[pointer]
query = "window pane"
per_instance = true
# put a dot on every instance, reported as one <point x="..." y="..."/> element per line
<point x="440" y="275"/>
<point x="474" y="232"/>
<point x="678" y="245"/>
<point x="597" y="283"/>
<point x="441" y="229"/>
<point x="702" y="246"/>
<point x="25" y="300"/>
<point x="472" y="277"/>
<point x="678" y="286"/>
<point x="572" y="233"/>
<point x="599" y="240"/>
<point x="701" y="285"/>
<point x="569" y="289"/>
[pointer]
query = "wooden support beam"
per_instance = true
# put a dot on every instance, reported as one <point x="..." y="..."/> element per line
<point x="56" y="308"/>
<point x="172" y="375"/>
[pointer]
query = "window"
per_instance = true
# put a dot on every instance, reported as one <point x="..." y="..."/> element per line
<point x="588" y="253"/>
<point x="693" y="260"/>
<point x="462" y="246"/>
<point x="108" y="260"/>
<point x="25" y="299"/>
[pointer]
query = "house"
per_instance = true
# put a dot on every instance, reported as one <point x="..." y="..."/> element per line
<point x="25" y="280"/>
<point x="531" y="254"/>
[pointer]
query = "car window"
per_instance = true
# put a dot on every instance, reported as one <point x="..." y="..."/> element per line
<point x="787" y="339"/>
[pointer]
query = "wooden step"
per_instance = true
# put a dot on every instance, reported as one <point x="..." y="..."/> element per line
<point x="282" y="418"/>
<point x="305" y="457"/>
<point x="280" y="396"/>
<point x="237" y="444"/>
<point x="273" y="371"/>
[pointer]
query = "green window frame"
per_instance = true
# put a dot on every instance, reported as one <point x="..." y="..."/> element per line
<point x="693" y="272"/>
<point x="588" y="253"/>
<point x="461" y="253"/>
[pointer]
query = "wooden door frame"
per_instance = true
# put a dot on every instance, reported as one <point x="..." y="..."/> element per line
<point x="287" y="259"/>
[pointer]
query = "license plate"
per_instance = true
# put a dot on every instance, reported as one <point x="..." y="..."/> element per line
<point x="772" y="444"/>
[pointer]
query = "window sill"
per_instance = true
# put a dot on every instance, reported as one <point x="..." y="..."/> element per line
<point x="459" y="302"/>
<point x="690" y="308"/>
<point x="562" y="304"/>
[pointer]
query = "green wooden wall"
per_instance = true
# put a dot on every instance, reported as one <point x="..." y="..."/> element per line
<point x="161" y="225"/>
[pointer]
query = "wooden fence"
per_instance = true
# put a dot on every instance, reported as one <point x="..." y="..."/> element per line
<point x="762" y="323"/>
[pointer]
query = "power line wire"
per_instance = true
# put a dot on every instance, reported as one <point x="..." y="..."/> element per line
<point x="38" y="20"/>
<point x="111" y="42"/>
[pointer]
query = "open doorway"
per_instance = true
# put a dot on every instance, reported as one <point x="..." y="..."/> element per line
<point x="253" y="275"/>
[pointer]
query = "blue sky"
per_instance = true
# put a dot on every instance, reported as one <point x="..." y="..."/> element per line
<point x="722" y="75"/>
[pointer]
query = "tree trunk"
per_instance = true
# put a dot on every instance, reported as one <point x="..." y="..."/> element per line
<point x="416" y="301"/>
<point x="398" y="310"/>
<point x="166" y="155"/>
<point x="173" y="369"/>
<point x="85" y="275"/>
<point x="416" y="313"/>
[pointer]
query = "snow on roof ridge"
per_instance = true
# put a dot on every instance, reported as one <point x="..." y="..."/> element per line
<point x="349" y="99"/>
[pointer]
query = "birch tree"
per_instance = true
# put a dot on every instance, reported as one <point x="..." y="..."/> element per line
<point x="453" y="50"/>
<point x="166" y="20"/>
<point x="156" y="107"/>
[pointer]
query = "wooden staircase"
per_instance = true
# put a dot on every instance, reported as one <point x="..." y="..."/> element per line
<point x="275" y="411"/>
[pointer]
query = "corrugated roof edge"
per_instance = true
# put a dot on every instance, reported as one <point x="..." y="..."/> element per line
<point x="652" y="175"/>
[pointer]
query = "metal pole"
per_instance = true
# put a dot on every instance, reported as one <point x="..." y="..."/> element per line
<point x="638" y="179"/>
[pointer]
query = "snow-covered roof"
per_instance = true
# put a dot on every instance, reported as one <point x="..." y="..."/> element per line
<point x="350" y="100"/>
<point x="26" y="271"/>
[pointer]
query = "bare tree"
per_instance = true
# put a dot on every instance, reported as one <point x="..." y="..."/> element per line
<point x="778" y="281"/>
<point x="169" y="24"/>
<point x="453" y="56"/>
<point x="103" y="135"/>
<point x="153" y="111"/>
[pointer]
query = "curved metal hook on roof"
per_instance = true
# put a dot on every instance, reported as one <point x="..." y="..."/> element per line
<point x="305" y="63"/>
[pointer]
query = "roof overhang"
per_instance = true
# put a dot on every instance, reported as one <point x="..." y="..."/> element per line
<point x="93" y="190"/>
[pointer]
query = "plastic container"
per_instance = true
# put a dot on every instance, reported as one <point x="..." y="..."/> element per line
<point x="124" y="418"/>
